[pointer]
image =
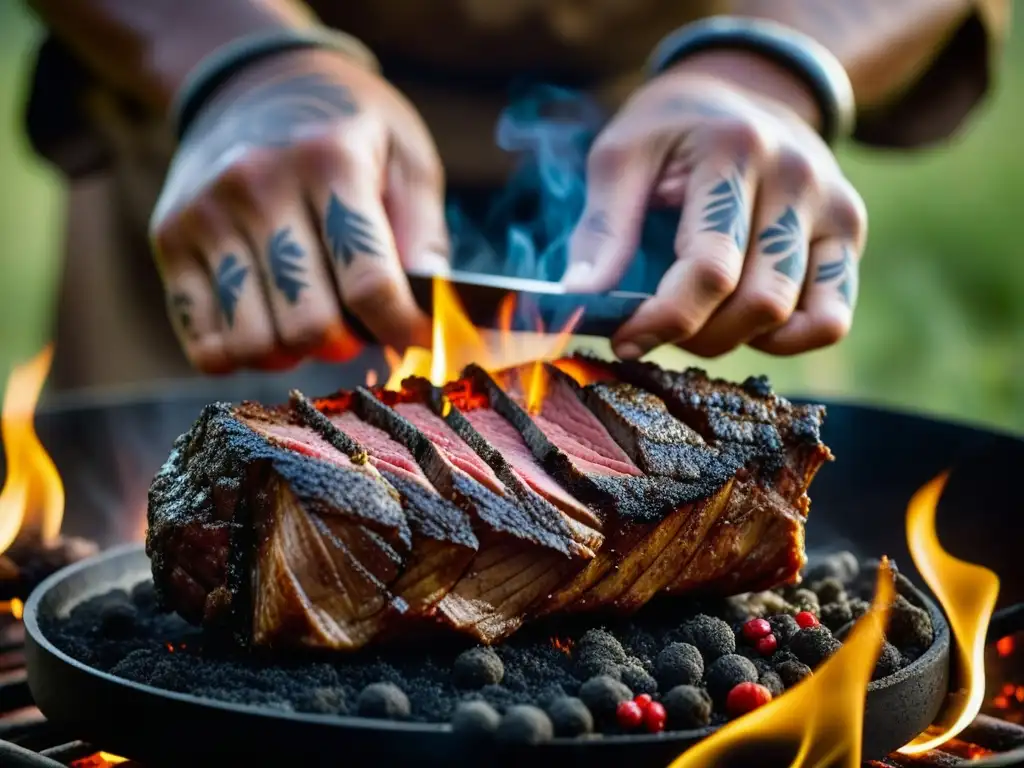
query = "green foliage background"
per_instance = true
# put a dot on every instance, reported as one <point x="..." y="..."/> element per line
<point x="940" y="325"/>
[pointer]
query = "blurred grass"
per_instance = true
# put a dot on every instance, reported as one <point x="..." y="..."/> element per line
<point x="940" y="325"/>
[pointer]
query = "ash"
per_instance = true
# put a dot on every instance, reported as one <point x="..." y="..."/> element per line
<point x="571" y="674"/>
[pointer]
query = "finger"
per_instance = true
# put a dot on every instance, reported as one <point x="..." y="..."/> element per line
<point x="826" y="307"/>
<point x="360" y="245"/>
<point x="772" y="279"/>
<point x="605" y="240"/>
<point x="415" y="208"/>
<point x="191" y="304"/>
<point x="710" y="246"/>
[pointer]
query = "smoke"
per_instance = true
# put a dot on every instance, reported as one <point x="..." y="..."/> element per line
<point x="523" y="230"/>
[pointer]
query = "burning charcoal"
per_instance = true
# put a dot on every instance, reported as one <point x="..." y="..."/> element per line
<point x="889" y="662"/>
<point x="805" y="600"/>
<point x="117" y="618"/>
<point x="784" y="627"/>
<point x="772" y="682"/>
<point x="475" y="719"/>
<point x="687" y="707"/>
<point x="570" y="717"/>
<point x="814" y="645"/>
<point x="836" y="615"/>
<point x="726" y="673"/>
<point x="858" y="608"/>
<point x="678" y="664"/>
<point x="523" y="724"/>
<point x="478" y="667"/>
<point x="383" y="700"/>
<point x="709" y="635"/>
<point x="602" y="695"/>
<point x="638" y="679"/>
<point x="909" y="625"/>
<point x="598" y="652"/>
<point x="143" y="596"/>
<point x="792" y="672"/>
<point x="324" y="701"/>
<point x="843" y="566"/>
<point x="829" y="590"/>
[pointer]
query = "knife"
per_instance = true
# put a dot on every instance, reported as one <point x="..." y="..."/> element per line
<point x="481" y="295"/>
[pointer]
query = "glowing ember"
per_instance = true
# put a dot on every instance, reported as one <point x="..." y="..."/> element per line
<point x="968" y="594"/>
<point x="563" y="644"/>
<point x="13" y="608"/>
<point x="371" y="377"/>
<point x="33" y="494"/>
<point x="456" y="343"/>
<point x="820" y="720"/>
<point x="1005" y="646"/>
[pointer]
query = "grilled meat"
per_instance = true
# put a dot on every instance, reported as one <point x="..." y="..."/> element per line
<point x="349" y="519"/>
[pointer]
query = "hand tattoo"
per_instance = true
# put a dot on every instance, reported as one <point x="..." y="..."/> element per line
<point x="348" y="233"/>
<point x="726" y="211"/>
<point x="286" y="267"/>
<point x="846" y="268"/>
<point x="230" y="278"/>
<point x="181" y="304"/>
<point x="597" y="224"/>
<point x="786" y="237"/>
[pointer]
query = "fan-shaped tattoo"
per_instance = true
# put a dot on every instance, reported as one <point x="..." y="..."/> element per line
<point x="230" y="279"/>
<point x="349" y="233"/>
<point x="845" y="268"/>
<point x="785" y="238"/>
<point x="286" y="267"/>
<point x="726" y="211"/>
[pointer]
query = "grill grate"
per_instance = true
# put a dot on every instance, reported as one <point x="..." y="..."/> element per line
<point x="28" y="740"/>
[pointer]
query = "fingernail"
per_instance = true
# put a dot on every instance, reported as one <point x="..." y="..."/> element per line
<point x="577" y="275"/>
<point x="434" y="264"/>
<point x="637" y="347"/>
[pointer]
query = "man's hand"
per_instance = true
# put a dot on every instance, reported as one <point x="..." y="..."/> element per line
<point x="305" y="186"/>
<point x="770" y="231"/>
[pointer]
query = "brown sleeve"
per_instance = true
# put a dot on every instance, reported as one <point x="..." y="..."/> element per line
<point x="959" y="78"/>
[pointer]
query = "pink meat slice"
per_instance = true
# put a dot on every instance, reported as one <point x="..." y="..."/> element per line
<point x="571" y="427"/>
<point x="385" y="452"/>
<point x="299" y="439"/>
<point x="509" y="443"/>
<point x="451" y="445"/>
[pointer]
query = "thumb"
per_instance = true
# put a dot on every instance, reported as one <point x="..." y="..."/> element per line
<point x="608" y="233"/>
<point x="415" y="206"/>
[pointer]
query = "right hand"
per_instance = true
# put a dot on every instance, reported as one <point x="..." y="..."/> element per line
<point x="306" y="184"/>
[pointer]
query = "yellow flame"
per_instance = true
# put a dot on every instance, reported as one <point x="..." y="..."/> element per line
<point x="33" y="494"/>
<point x="14" y="607"/>
<point x="456" y="343"/>
<point x="820" y="720"/>
<point x="967" y="593"/>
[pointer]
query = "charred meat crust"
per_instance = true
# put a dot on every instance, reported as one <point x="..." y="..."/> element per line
<point x="687" y="483"/>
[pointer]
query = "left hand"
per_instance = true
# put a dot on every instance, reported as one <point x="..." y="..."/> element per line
<point x="770" y="233"/>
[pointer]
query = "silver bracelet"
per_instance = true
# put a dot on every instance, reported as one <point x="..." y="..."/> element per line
<point x="801" y="54"/>
<point x="218" y="67"/>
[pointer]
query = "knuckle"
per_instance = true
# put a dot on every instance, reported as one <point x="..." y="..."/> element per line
<point x="850" y="213"/>
<point x="370" y="292"/>
<point x="768" y="308"/>
<point x="797" y="173"/>
<point x="307" y="331"/>
<point x="681" y="323"/>
<point x="742" y="139"/>
<point x="607" y="158"/>
<point x="248" y="182"/>
<point x="329" y="156"/>
<point x="715" y="277"/>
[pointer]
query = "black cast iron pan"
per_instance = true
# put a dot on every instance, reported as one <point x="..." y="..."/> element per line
<point x="859" y="503"/>
<point x="162" y="728"/>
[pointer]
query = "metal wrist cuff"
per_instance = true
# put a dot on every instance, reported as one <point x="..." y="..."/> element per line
<point x="801" y="54"/>
<point x="220" y="65"/>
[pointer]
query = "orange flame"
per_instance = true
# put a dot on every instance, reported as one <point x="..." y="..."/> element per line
<point x="33" y="494"/>
<point x="456" y="343"/>
<point x="819" y="721"/>
<point x="968" y="594"/>
<point x="14" y="608"/>
<point x="99" y="760"/>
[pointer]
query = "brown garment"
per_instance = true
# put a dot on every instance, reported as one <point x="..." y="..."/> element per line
<point x="454" y="59"/>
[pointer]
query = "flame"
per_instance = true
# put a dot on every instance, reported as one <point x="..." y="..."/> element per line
<point x="456" y="342"/>
<point x="820" y="720"/>
<point x="99" y="760"/>
<point x="968" y="594"/>
<point x="13" y="608"/>
<point x="33" y="494"/>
